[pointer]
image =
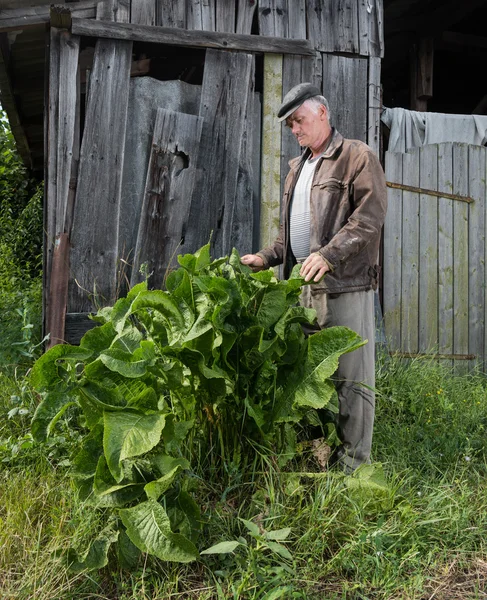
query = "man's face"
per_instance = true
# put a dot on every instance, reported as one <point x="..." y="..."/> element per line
<point x="310" y="127"/>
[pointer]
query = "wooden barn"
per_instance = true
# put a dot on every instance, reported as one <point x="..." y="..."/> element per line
<point x="153" y="124"/>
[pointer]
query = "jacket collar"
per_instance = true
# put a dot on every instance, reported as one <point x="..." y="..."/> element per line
<point x="335" y="144"/>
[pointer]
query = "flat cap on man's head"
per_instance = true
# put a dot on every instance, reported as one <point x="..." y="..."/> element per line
<point x="295" y="97"/>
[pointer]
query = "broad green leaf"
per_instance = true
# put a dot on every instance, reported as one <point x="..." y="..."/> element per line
<point x="103" y="397"/>
<point x="45" y="372"/>
<point x="166" y="306"/>
<point x="280" y="592"/>
<point x="128" y="434"/>
<point x="222" y="548"/>
<point x="295" y="314"/>
<point x="175" y="432"/>
<point x="278" y="535"/>
<point x="129" y="364"/>
<point x="165" y="463"/>
<point x="155" y="489"/>
<point x="127" y="553"/>
<point x="120" y="312"/>
<point x="256" y="412"/>
<point x="48" y="412"/>
<point x="149" y="529"/>
<point x="105" y="484"/>
<point x="99" y="338"/>
<point x="271" y="306"/>
<point x="146" y="401"/>
<point x="96" y="555"/>
<point x="279" y="549"/>
<point x="84" y="463"/>
<point x="136" y="290"/>
<point x="128" y="341"/>
<point x="252" y="527"/>
<point x="203" y="257"/>
<point x="308" y="385"/>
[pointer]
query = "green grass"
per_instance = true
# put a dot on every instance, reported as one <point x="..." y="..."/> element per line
<point x="421" y="535"/>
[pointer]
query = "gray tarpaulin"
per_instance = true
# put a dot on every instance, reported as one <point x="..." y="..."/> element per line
<point x="410" y="129"/>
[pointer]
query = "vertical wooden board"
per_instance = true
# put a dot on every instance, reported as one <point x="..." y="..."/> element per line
<point x="226" y="15"/>
<point x="346" y="17"/>
<point x="52" y="146"/>
<point x="256" y="168"/>
<point x="476" y="252"/>
<point x="460" y="254"/>
<point x="273" y="18"/>
<point x="296" y="10"/>
<point x="68" y="114"/>
<point x="171" y="14"/>
<point x="428" y="251"/>
<point x="393" y="253"/>
<point x="312" y="70"/>
<point x="114" y="10"/>
<point x="321" y="19"/>
<point x="445" y="252"/>
<point x="410" y="255"/>
<point x="245" y="15"/>
<point x="169" y="186"/>
<point x="223" y="106"/>
<point x="375" y="106"/>
<point x="345" y="87"/>
<point x="201" y="15"/>
<point x="143" y="12"/>
<point x="94" y="255"/>
<point x="371" y="28"/>
<point x="271" y="150"/>
<point x="241" y="235"/>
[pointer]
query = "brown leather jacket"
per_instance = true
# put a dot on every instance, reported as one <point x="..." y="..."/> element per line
<point x="347" y="209"/>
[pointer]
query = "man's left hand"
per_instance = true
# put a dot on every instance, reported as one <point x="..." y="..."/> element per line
<point x="314" y="267"/>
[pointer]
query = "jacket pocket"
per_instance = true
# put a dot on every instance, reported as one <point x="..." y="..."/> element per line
<point x="331" y="185"/>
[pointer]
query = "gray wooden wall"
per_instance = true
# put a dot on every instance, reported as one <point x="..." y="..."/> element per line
<point x="207" y="167"/>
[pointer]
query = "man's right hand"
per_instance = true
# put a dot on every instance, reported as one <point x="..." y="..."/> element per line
<point x="253" y="261"/>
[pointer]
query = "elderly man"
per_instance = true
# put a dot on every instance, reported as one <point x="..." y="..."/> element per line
<point x="332" y="212"/>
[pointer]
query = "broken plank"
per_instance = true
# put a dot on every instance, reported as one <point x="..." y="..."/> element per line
<point x="169" y="187"/>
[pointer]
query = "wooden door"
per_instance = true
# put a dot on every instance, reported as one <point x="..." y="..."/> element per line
<point x="434" y="253"/>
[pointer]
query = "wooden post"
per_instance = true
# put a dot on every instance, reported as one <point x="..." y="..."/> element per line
<point x="271" y="150"/>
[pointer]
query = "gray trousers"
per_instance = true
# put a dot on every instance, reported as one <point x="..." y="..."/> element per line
<point x="356" y="402"/>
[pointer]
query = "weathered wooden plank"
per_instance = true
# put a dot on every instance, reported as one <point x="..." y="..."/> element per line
<point x="114" y="10"/>
<point x="345" y="86"/>
<point x="143" y="12"/>
<point x="375" y="105"/>
<point x="273" y="18"/>
<point x="169" y="187"/>
<point x="333" y="26"/>
<point x="58" y="291"/>
<point x="68" y="120"/>
<point x="32" y="16"/>
<point x="226" y="16"/>
<point x="271" y="151"/>
<point x="460" y="253"/>
<point x="371" y="29"/>
<point x="296" y="19"/>
<point x="194" y="39"/>
<point x="445" y="252"/>
<point x="476" y="252"/>
<point x="410" y="256"/>
<point x="201" y="15"/>
<point x="52" y="146"/>
<point x="171" y="14"/>
<point x="94" y="240"/>
<point x="428" y="251"/>
<point x="223" y="106"/>
<point x="242" y="223"/>
<point x="245" y="15"/>
<point x="393" y="254"/>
